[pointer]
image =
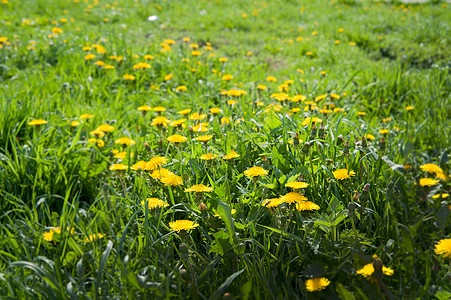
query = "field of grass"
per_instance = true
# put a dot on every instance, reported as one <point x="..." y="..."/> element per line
<point x="305" y="144"/>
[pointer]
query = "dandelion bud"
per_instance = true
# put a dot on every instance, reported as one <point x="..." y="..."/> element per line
<point x="356" y="196"/>
<point x="203" y="207"/>
<point x="296" y="139"/>
<point x="364" y="144"/>
<point x="377" y="265"/>
<point x="346" y="149"/>
<point x="306" y="148"/>
<point x="351" y="208"/>
<point x="340" y="140"/>
<point x="366" y="188"/>
<point x="146" y="145"/>
<point x="329" y="161"/>
<point x="314" y="130"/>
<point x="321" y="131"/>
<point x="264" y="158"/>
<point x="382" y="144"/>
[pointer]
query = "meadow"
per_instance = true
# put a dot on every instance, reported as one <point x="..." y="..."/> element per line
<point x="218" y="149"/>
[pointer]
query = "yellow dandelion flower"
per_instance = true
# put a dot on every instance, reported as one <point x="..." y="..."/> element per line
<point x="37" y="122"/>
<point x="160" y="121"/>
<point x="215" y="110"/>
<point x="74" y="123"/>
<point x="120" y="155"/>
<point x="125" y="141"/>
<point x="118" y="167"/>
<point x="159" y="109"/>
<point x="227" y="77"/>
<point x="105" y="128"/>
<point x="231" y="155"/>
<point x="185" y="111"/>
<point x="89" y="56"/>
<point x="255" y="172"/>
<point x="261" y="87"/>
<point x="98" y="133"/>
<point x="208" y="156"/>
<point x="297" y="185"/>
<point x="153" y="203"/>
<point x="202" y="127"/>
<point x="297" y="98"/>
<point x="273" y="202"/>
<point x="129" y="77"/>
<point x="443" y="247"/>
<point x="160" y="173"/>
<point x="86" y="116"/>
<point x="428" y="182"/>
<point x="316" y="284"/>
<point x="306" y="205"/>
<point x="204" y="138"/>
<point x="176" y="138"/>
<point x="197" y="116"/>
<point x="168" y="77"/>
<point x="313" y="120"/>
<point x="156" y="162"/>
<point x="343" y="174"/>
<point x="236" y="92"/>
<point x="369" y="136"/>
<point x="196" y="53"/>
<point x="140" y="165"/>
<point x="144" y="108"/>
<point x="180" y="225"/>
<point x="181" y="88"/>
<point x="271" y="79"/>
<point x="321" y="97"/>
<point x="172" y="180"/>
<point x="409" y="108"/>
<point x="431" y="168"/>
<point x="199" y="188"/>
<point x="177" y="122"/>
<point x="293" y="198"/>
<point x="384" y="131"/>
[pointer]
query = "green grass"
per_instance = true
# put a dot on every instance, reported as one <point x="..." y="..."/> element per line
<point x="53" y="176"/>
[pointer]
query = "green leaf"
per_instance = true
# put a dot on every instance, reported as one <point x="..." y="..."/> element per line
<point x="344" y="293"/>
<point x="220" y="291"/>
<point x="246" y="289"/>
<point x="226" y="215"/>
<point x="442" y="216"/>
<point x="395" y="167"/>
<point x="221" y="244"/>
